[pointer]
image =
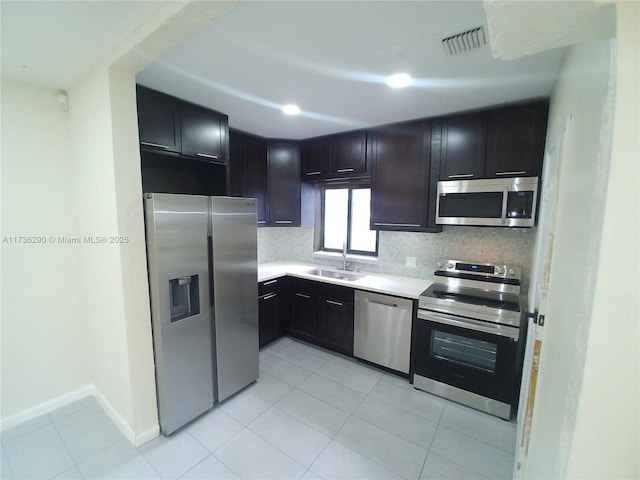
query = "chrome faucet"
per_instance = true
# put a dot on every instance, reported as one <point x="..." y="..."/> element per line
<point x="345" y="263"/>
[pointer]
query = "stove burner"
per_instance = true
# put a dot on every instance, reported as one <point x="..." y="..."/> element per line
<point x="479" y="291"/>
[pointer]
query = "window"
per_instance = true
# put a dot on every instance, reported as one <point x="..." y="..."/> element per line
<point x="345" y="220"/>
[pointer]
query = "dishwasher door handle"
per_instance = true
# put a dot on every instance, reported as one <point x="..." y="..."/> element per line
<point x="394" y="305"/>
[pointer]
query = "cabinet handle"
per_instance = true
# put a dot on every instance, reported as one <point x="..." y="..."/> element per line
<point x="207" y="155"/>
<point x="284" y="221"/>
<point x="462" y="175"/>
<point x="313" y="173"/>
<point x="345" y="170"/>
<point x="157" y="145"/>
<point x="263" y="222"/>
<point x="270" y="296"/>
<point x="302" y="295"/>
<point x="335" y="303"/>
<point x="521" y="172"/>
<point x="396" y="224"/>
<point x="270" y="282"/>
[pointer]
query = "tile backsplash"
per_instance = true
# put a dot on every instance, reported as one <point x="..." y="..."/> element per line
<point x="476" y="244"/>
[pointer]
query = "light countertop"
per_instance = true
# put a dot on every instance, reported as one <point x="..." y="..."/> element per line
<point x="373" y="282"/>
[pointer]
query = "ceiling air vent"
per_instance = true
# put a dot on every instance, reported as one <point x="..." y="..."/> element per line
<point x="465" y="41"/>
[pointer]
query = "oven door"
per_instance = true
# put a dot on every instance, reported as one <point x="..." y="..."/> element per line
<point x="473" y="355"/>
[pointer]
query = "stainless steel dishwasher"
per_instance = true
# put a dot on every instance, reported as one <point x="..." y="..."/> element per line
<point x="382" y="330"/>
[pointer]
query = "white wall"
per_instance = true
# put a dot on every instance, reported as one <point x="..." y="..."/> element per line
<point x="133" y="259"/>
<point x="513" y="246"/>
<point x="44" y="355"/>
<point x="114" y="283"/>
<point x="588" y="382"/>
<point x="606" y="440"/>
<point x="75" y="318"/>
<point x="582" y="90"/>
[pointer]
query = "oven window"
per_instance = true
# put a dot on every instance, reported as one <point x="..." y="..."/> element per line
<point x="466" y="351"/>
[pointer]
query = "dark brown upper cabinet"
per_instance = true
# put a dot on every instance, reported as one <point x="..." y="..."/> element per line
<point x="316" y="155"/>
<point x="334" y="156"/>
<point x="515" y="140"/>
<point x="236" y="163"/>
<point x="255" y="175"/>
<point x="349" y="153"/>
<point x="402" y="181"/>
<point x="248" y="164"/>
<point x="204" y="133"/>
<point x="464" y="140"/>
<point x="268" y="171"/>
<point x="158" y="120"/>
<point x="169" y="125"/>
<point x="283" y="183"/>
<point x="501" y="142"/>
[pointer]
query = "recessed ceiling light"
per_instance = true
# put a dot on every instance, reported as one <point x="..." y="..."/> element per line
<point x="399" y="80"/>
<point x="291" y="109"/>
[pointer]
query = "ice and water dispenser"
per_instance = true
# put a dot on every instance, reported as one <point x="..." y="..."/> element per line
<point x="185" y="297"/>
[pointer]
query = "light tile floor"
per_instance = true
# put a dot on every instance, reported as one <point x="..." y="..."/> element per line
<point x="312" y="414"/>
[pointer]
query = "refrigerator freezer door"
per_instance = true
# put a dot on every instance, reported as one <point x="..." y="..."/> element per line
<point x="235" y="286"/>
<point x="177" y="227"/>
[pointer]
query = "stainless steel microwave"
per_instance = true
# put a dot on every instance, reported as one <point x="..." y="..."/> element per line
<point x="499" y="202"/>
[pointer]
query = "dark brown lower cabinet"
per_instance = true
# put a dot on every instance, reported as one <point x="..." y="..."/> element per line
<point x="304" y="316"/>
<point x="335" y="328"/>
<point x="272" y="308"/>
<point x="322" y="314"/>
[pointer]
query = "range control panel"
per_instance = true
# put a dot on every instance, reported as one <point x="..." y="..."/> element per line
<point x="481" y="269"/>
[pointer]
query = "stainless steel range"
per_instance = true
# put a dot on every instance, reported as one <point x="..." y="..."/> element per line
<point x="467" y="338"/>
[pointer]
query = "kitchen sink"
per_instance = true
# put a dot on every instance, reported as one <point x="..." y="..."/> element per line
<point x="337" y="274"/>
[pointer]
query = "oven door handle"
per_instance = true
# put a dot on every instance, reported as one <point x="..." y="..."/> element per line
<point x="501" y="330"/>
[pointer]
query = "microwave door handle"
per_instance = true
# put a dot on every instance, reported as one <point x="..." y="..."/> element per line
<point x="505" y="198"/>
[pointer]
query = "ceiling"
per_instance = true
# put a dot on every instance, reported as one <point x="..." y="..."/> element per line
<point x="331" y="58"/>
<point x="52" y="44"/>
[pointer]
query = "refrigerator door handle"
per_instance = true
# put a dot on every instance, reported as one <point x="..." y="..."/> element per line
<point x="210" y="262"/>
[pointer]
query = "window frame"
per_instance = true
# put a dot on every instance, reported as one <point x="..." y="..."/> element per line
<point x="350" y="185"/>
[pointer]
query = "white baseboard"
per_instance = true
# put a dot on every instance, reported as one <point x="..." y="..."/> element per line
<point x="136" y="440"/>
<point x="147" y="436"/>
<point x="46" y="407"/>
<point x="86" y="391"/>
<point x="113" y="414"/>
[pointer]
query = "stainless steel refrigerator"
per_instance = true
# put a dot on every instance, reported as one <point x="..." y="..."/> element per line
<point x="202" y="260"/>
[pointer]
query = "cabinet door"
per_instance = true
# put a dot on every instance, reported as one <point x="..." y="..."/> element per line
<point x="283" y="184"/>
<point x="269" y="317"/>
<point x="400" y="177"/>
<point x="255" y="175"/>
<point x="515" y="141"/>
<point x="335" y="328"/>
<point x="304" y="316"/>
<point x="349" y="153"/>
<point x="158" y="120"/>
<point x="463" y="147"/>
<point x="315" y="158"/>
<point x="237" y="154"/>
<point x="204" y="133"/>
